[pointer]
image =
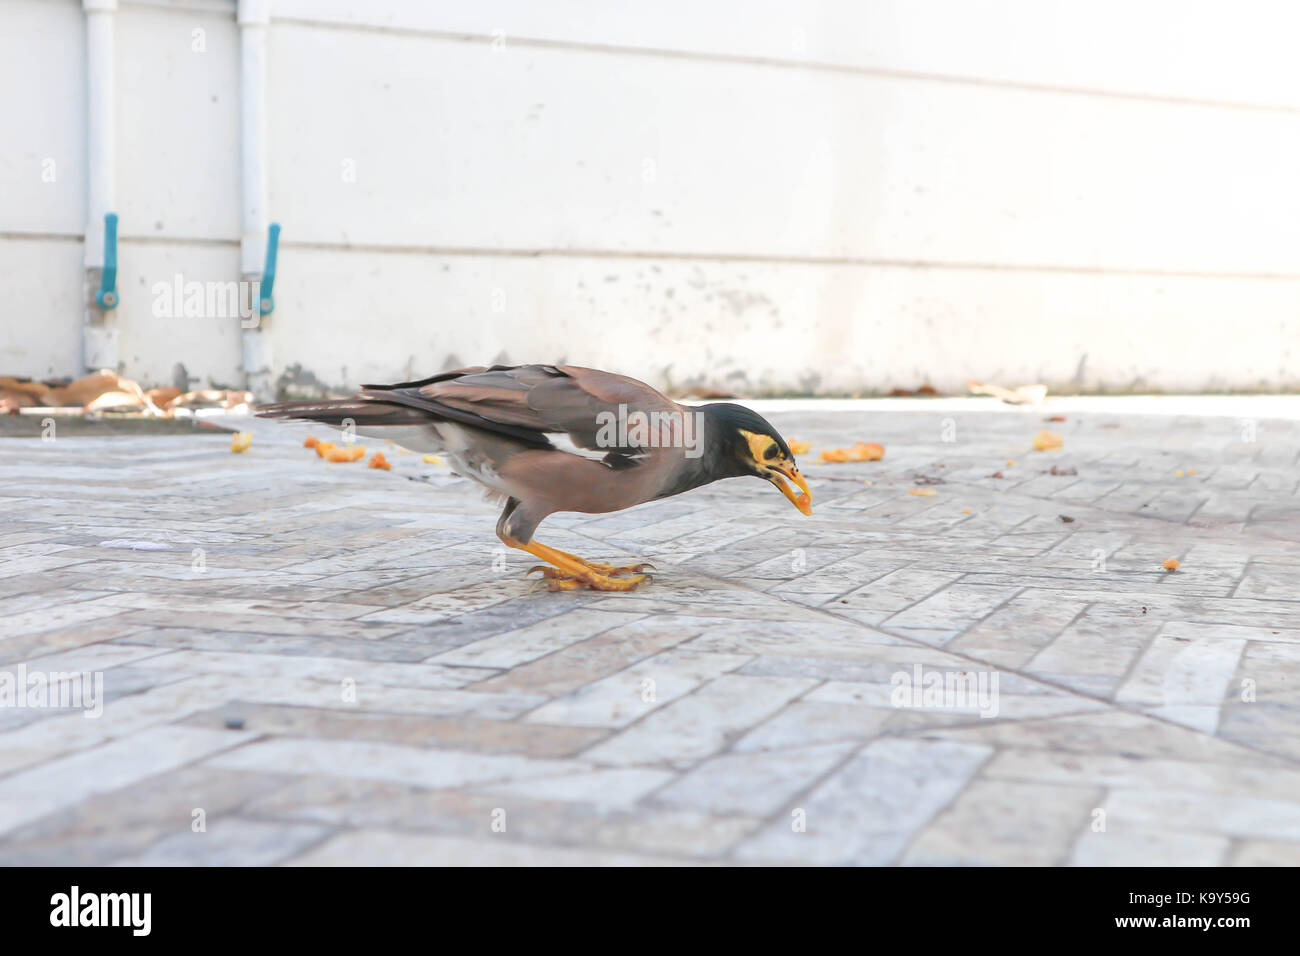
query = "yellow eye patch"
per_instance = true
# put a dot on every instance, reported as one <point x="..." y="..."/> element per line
<point x="759" y="446"/>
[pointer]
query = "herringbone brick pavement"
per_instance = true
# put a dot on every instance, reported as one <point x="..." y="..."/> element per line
<point x="313" y="663"/>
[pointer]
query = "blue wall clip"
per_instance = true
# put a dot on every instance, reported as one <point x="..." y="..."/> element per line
<point x="266" y="305"/>
<point x="106" y="297"/>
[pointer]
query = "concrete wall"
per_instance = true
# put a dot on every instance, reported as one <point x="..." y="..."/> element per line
<point x="832" y="196"/>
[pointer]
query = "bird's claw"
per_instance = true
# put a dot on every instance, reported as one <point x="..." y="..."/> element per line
<point x="557" y="583"/>
<point x="547" y="571"/>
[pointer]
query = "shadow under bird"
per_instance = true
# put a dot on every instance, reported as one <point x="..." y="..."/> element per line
<point x="553" y="438"/>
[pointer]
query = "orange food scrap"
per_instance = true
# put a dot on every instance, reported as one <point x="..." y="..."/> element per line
<point x="922" y="492"/>
<point x="799" y="447"/>
<point x="347" y="454"/>
<point x="377" y="460"/>
<point x="965" y="511"/>
<point x="311" y="441"/>
<point x="861" y="451"/>
<point x="431" y="460"/>
<point x="1048" y="441"/>
<point x="323" y="448"/>
<point x="240" y="441"/>
<point x="1170" y="565"/>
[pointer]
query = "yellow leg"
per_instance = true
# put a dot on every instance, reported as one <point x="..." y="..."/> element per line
<point x="574" y="571"/>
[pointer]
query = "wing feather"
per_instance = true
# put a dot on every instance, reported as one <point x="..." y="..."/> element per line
<point x="528" y="402"/>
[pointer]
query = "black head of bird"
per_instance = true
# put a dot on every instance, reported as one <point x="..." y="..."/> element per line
<point x="621" y="444"/>
<point x="743" y="442"/>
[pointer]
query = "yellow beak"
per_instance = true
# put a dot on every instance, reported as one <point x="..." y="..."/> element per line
<point x="803" y="500"/>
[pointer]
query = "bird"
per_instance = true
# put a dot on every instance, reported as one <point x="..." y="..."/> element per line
<point x="561" y="438"/>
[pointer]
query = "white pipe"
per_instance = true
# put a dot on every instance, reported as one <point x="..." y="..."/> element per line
<point x="254" y="16"/>
<point x="100" y="144"/>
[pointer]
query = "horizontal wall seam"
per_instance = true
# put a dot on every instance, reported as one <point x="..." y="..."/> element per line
<point x="761" y="259"/>
<point x="653" y="255"/>
<point x="1168" y="99"/>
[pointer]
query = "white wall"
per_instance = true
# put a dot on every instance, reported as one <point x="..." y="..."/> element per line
<point x="833" y="197"/>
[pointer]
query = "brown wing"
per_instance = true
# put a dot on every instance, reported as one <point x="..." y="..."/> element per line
<point x="530" y="401"/>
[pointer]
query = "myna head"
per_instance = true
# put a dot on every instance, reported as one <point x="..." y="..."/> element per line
<point x="747" y="444"/>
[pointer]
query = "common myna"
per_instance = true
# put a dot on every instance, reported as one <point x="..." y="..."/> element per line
<point x="551" y="438"/>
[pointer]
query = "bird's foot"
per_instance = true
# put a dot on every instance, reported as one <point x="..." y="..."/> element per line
<point x="598" y="577"/>
<point x="568" y="571"/>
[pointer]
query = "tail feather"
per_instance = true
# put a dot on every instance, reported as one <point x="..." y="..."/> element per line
<point x="360" y="412"/>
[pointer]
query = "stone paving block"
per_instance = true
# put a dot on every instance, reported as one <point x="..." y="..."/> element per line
<point x="1013" y="634"/>
<point x="1269" y="635"/>
<point x="1134" y="772"/>
<point x="755" y="783"/>
<point x="32" y="793"/>
<point x="583" y="663"/>
<point x="700" y="723"/>
<point x="786" y="643"/>
<point x="612" y="788"/>
<point x="450" y="732"/>
<point x="382" y="848"/>
<point x="1126" y="735"/>
<point x="378" y="697"/>
<point x="1003" y="823"/>
<point x="1207" y="813"/>
<point x="60" y="615"/>
<point x="529" y="643"/>
<point x="1183" y="680"/>
<point x="1265" y="853"/>
<point x="622" y="698"/>
<point x="1101" y="643"/>
<point x="198" y="639"/>
<point x="63" y="732"/>
<point x="264" y="666"/>
<point x="260" y="624"/>
<point x="1122" y="844"/>
<point x="377" y="761"/>
<point x="230" y="841"/>
<point x="875" y="602"/>
<point x="868" y="810"/>
<point x="445" y="605"/>
<point x="806" y="723"/>
<point x="108" y="827"/>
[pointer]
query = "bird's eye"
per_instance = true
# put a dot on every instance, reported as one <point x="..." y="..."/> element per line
<point x="772" y="452"/>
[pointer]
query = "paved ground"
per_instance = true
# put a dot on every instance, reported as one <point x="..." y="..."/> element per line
<point x="317" y="663"/>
